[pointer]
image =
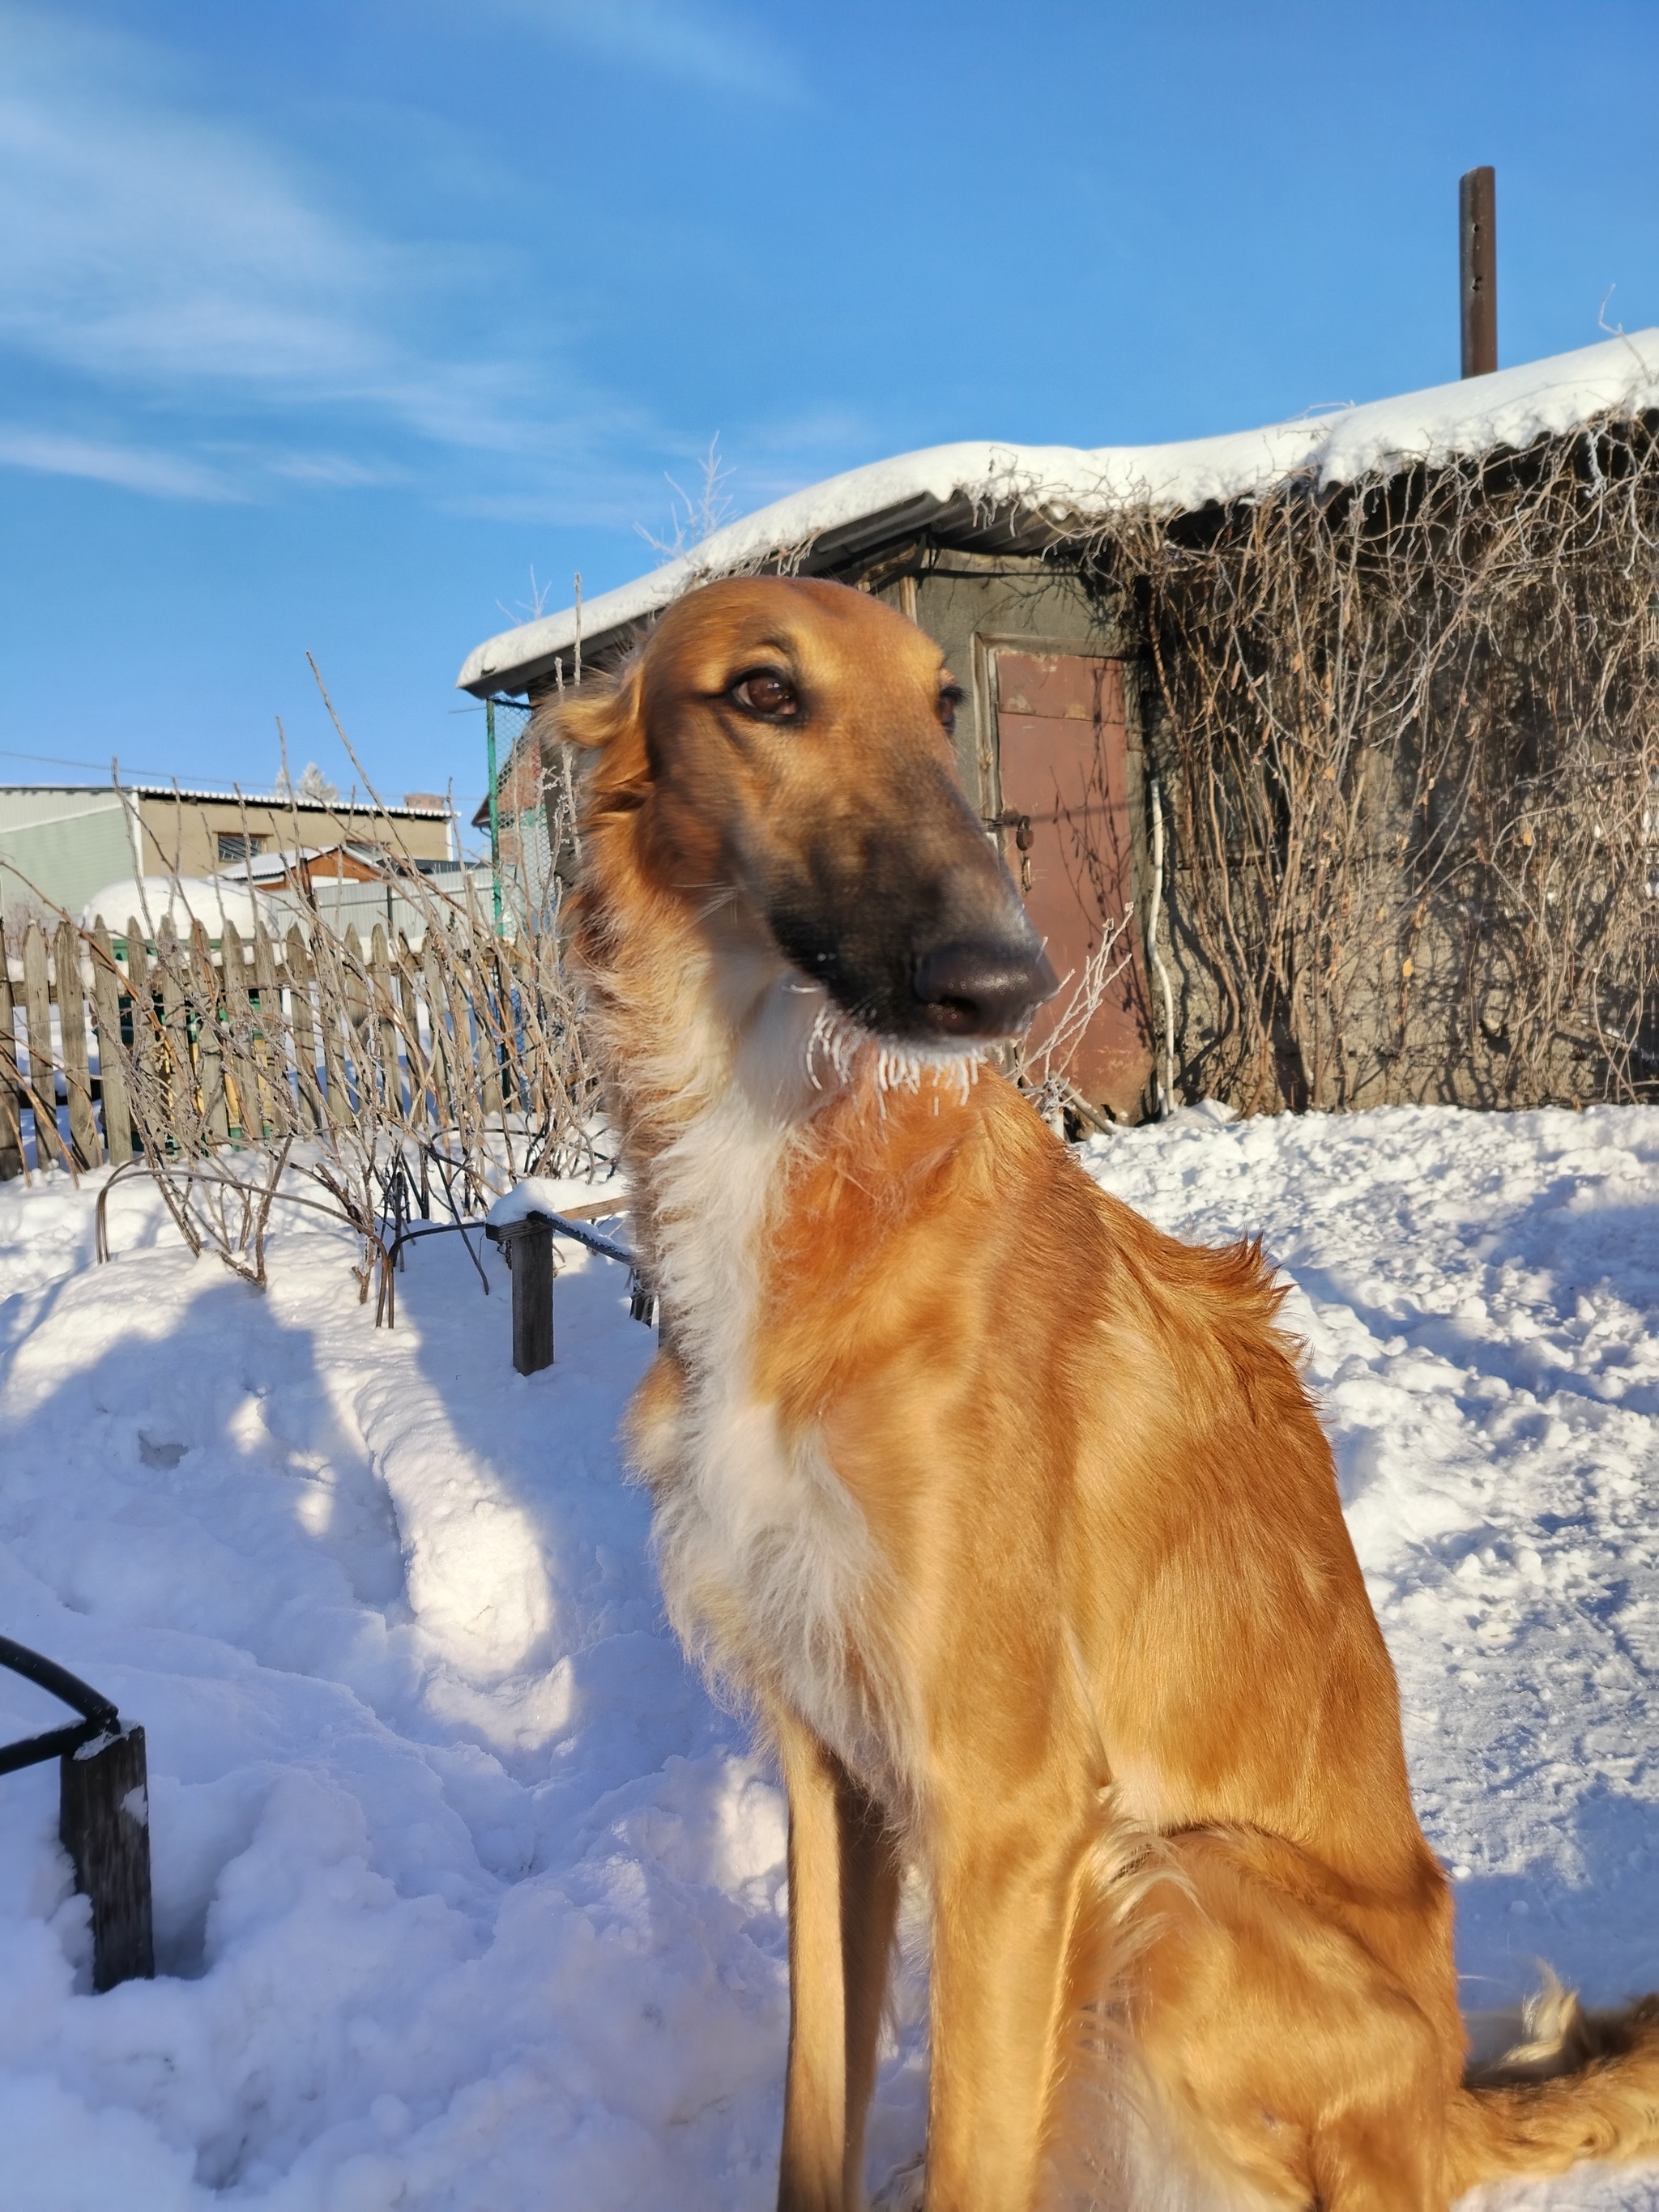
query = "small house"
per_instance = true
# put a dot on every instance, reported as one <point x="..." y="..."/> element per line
<point x="61" y="843"/>
<point x="1348" y="726"/>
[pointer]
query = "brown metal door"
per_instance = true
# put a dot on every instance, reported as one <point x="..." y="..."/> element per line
<point x="1063" y="746"/>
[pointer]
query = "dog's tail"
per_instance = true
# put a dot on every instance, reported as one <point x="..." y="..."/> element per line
<point x="1585" y="2086"/>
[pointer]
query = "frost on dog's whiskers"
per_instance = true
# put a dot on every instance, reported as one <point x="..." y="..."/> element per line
<point x="839" y="1048"/>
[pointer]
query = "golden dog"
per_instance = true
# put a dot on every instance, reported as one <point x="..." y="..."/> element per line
<point x="1009" y="1515"/>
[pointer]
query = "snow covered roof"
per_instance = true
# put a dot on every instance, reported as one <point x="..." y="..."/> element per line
<point x="294" y="802"/>
<point x="1070" y="486"/>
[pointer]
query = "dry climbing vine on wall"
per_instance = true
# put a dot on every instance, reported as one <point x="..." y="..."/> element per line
<point x="1409" y="728"/>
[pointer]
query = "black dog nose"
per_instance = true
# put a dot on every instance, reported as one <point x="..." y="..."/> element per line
<point x="984" y="989"/>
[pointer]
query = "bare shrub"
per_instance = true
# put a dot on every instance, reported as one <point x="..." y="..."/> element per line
<point x="1409" y="728"/>
<point x="397" y="1081"/>
<point x="1046" y="1071"/>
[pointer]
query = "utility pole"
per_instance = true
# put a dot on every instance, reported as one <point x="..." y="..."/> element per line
<point x="1477" y="258"/>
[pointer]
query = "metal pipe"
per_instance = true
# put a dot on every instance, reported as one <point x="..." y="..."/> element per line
<point x="1166" y="1085"/>
<point x="1477" y="259"/>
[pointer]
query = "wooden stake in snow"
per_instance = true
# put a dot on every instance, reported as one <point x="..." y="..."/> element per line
<point x="1477" y="256"/>
<point x="103" y="1817"/>
<point x="104" y="1825"/>
<point x="527" y="1246"/>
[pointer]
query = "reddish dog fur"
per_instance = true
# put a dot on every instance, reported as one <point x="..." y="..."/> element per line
<point x="1010" y="1514"/>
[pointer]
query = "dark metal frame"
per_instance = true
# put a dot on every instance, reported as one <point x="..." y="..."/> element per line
<point x="99" y="1717"/>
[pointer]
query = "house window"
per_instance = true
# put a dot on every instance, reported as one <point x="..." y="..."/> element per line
<point x="232" y="845"/>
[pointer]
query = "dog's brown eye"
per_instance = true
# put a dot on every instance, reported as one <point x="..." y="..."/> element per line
<point x="765" y="691"/>
<point x="948" y="699"/>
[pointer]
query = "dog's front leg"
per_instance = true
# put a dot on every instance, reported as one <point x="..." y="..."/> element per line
<point x="843" y="1901"/>
<point x="1003" y="1908"/>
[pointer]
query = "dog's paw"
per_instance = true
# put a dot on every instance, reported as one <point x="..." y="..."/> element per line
<point x="902" y="2190"/>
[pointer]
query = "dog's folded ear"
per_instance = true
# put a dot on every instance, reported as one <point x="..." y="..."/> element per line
<point x="591" y="718"/>
<point x="604" y="719"/>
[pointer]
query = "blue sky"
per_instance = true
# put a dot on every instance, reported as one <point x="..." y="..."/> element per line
<point x="323" y="323"/>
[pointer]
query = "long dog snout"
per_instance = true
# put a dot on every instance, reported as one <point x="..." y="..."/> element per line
<point x="983" y="989"/>
<point x="787" y="745"/>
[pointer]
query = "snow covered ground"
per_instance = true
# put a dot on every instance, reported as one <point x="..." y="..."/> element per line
<point x="467" y="1896"/>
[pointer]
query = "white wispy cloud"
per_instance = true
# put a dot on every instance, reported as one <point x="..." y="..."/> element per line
<point x="178" y="263"/>
<point x="688" y="40"/>
<point x="336" y="471"/>
<point x="170" y="273"/>
<point x="158" y="245"/>
<point x="164" y="475"/>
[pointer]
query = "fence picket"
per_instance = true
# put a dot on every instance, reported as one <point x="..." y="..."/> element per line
<point x="539" y="1061"/>
<point x="507" y="1022"/>
<point x="147" y="1048"/>
<point x="463" y="1067"/>
<point x="111" y="1071"/>
<point x="487" y="1025"/>
<point x="355" y="991"/>
<point x="391" y="1089"/>
<point x="72" y="1045"/>
<point x="422" y="1095"/>
<point x="313" y="1113"/>
<point x="201" y="1045"/>
<point x="178" y="1068"/>
<point x="202" y="986"/>
<point x="239" y="1037"/>
<point x="325" y="966"/>
<point x="271" y="1039"/>
<point x="11" y="1088"/>
<point x="443" y="1059"/>
<point x="42" y="1077"/>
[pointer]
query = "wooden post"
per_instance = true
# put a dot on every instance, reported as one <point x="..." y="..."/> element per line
<point x="392" y="1081"/>
<point x="325" y="967"/>
<point x="527" y="1246"/>
<point x="1477" y="239"/>
<point x="147" y="1057"/>
<point x="11" y="1088"/>
<point x="72" y="1034"/>
<point x="104" y="1824"/>
<point x="312" y="1113"/>
<point x="43" y="1077"/>
<point x="175" y="1053"/>
<point x="239" y="1037"/>
<point x="209" y="1036"/>
<point x="112" y="1069"/>
<point x="354" y="984"/>
<point x="269" y="1044"/>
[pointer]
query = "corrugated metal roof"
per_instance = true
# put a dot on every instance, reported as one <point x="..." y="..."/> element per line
<point x="279" y="799"/>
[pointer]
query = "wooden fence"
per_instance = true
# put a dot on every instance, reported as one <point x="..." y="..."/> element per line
<point x="177" y="1047"/>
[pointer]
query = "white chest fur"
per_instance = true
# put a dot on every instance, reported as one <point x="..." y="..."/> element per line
<point x="765" y="1559"/>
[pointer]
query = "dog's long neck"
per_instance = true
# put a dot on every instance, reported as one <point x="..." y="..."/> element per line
<point x="725" y="1067"/>
<point x="705" y="1039"/>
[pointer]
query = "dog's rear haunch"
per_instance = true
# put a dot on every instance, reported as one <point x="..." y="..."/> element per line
<point x="1009" y="1515"/>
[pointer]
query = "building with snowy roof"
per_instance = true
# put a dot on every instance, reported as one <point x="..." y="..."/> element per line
<point x="1349" y="725"/>
<point x="61" y="842"/>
